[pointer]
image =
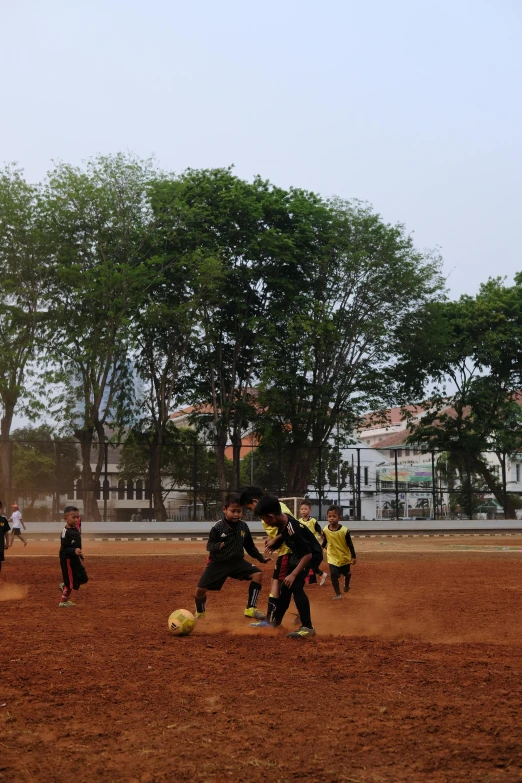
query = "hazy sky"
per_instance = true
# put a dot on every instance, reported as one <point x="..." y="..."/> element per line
<point x="412" y="105"/>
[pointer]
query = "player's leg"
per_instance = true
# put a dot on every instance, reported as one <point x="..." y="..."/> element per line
<point x="23" y="539"/>
<point x="68" y="582"/>
<point x="347" y="578"/>
<point x="303" y="607"/>
<point x="254" y="589"/>
<point x="1" y="560"/>
<point x="200" y="599"/>
<point x="334" y="576"/>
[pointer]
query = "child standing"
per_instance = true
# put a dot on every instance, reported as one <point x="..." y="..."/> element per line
<point x="4" y="537"/>
<point x="17" y="524"/>
<point x="305" y="553"/>
<point x="71" y="556"/>
<point x="226" y="546"/>
<point x="340" y="552"/>
<point x="314" y="527"/>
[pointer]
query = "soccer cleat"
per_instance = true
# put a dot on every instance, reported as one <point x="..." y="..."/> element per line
<point x="346" y="588"/>
<point x="324" y="577"/>
<point x="262" y="624"/>
<point x="66" y="603"/>
<point x="302" y="633"/>
<point x="61" y="586"/>
<point x="199" y="615"/>
<point x="254" y="613"/>
<point x="337" y="597"/>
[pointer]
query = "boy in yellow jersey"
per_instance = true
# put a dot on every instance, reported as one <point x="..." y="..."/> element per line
<point x="249" y="498"/>
<point x="340" y="553"/>
<point x="314" y="527"/>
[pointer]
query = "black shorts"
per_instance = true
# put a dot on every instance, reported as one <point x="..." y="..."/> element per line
<point x="17" y="531"/>
<point x="218" y="571"/>
<point x="337" y="571"/>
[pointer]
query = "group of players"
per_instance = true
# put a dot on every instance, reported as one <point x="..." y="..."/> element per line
<point x="299" y="545"/>
<point x="9" y="531"/>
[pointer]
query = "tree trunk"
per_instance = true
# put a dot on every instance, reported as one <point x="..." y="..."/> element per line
<point x="302" y="463"/>
<point x="6" y="456"/>
<point x="155" y="477"/>
<point x="91" y="512"/>
<point x="495" y="489"/>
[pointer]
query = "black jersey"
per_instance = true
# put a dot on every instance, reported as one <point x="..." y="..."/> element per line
<point x="236" y="538"/>
<point x="301" y="541"/>
<point x="70" y="541"/>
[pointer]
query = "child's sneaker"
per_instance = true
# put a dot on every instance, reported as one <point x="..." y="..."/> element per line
<point x="262" y="624"/>
<point x="61" y="586"/>
<point x="337" y="597"/>
<point x="346" y="587"/>
<point x="323" y="579"/>
<point x="66" y="603"/>
<point x="254" y="613"/>
<point x="302" y="633"/>
<point x="199" y="615"/>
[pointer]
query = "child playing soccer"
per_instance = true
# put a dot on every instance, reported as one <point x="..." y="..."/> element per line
<point x="17" y="524"/>
<point x="340" y="552"/>
<point x="250" y="498"/>
<point x="313" y="525"/>
<point x="71" y="556"/>
<point x="226" y="544"/>
<point x="4" y="537"/>
<point x="305" y="553"/>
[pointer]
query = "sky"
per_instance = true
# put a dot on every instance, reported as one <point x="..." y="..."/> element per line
<point x="411" y="105"/>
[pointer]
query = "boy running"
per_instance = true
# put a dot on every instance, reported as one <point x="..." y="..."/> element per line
<point x="305" y="553"/>
<point x="17" y="524"/>
<point x="340" y="552"/>
<point x="226" y="544"/>
<point x="314" y="527"/>
<point x="71" y="556"/>
<point x="4" y="537"/>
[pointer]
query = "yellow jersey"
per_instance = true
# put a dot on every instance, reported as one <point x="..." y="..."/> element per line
<point x="310" y="524"/>
<point x="338" y="551"/>
<point x="272" y="531"/>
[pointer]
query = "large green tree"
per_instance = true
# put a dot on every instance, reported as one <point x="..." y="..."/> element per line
<point x="466" y="357"/>
<point x="23" y="272"/>
<point x="99" y="221"/>
<point x="336" y="308"/>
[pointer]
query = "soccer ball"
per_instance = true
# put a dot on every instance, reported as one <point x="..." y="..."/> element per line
<point x="181" y="622"/>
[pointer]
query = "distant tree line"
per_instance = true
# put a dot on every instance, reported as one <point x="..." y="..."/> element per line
<point x="128" y="292"/>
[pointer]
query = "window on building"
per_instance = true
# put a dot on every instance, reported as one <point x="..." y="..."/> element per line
<point x="366" y="476"/>
<point x="415" y="451"/>
<point x="399" y="452"/>
<point x="391" y="453"/>
<point x="130" y="490"/>
<point x="407" y="452"/>
<point x="139" y="489"/>
<point x="121" y="489"/>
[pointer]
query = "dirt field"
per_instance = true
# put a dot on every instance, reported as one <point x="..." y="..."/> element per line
<point x="414" y="676"/>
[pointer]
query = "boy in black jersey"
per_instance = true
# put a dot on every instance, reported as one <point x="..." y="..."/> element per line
<point x="226" y="546"/>
<point x="4" y="537"/>
<point x="71" y="556"/>
<point x="305" y="553"/>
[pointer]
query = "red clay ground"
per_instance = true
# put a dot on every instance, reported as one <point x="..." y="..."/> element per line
<point x="414" y="676"/>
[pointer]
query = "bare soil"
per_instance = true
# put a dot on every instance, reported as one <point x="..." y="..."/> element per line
<point x="414" y="676"/>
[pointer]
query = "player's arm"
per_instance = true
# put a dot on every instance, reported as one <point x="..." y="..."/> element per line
<point x="274" y="543"/>
<point x="324" y="541"/>
<point x="318" y="529"/>
<point x="349" y="543"/>
<point x="214" y="544"/>
<point x="251" y="548"/>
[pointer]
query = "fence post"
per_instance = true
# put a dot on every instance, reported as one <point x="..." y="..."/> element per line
<point x="433" y="485"/>
<point x="320" y="467"/>
<point x="396" y="485"/>
<point x="105" y="480"/>
<point x="359" y="484"/>
<point x="470" y="491"/>
<point x="195" y="481"/>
